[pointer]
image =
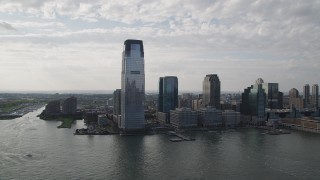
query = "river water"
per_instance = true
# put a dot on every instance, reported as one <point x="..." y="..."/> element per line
<point x="240" y="154"/>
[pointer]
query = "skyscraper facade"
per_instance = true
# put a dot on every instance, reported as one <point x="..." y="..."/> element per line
<point x="169" y="93"/>
<point x="117" y="102"/>
<point x="211" y="91"/>
<point x="315" y="96"/>
<point x="306" y="95"/>
<point x="132" y="86"/>
<point x="272" y="93"/>
<point x="254" y="100"/>
<point x="160" y="98"/>
<point x="295" y="101"/>
<point x="293" y="93"/>
<point x="69" y="106"/>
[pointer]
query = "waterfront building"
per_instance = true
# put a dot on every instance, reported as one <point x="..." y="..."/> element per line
<point x="302" y="124"/>
<point x="315" y="96"/>
<point x="306" y="95"/>
<point x="254" y="100"/>
<point x="209" y="117"/>
<point x="211" y="91"/>
<point x="53" y="108"/>
<point x="168" y="96"/>
<point x="117" y="102"/>
<point x="132" y="86"/>
<point x="183" y="118"/>
<point x="230" y="118"/>
<point x="69" y="106"/>
<point x="90" y="115"/>
<point x="103" y="120"/>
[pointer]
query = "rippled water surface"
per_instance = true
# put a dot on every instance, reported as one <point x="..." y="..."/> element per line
<point x="241" y="154"/>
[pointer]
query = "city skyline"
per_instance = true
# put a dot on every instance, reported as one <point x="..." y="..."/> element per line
<point x="75" y="45"/>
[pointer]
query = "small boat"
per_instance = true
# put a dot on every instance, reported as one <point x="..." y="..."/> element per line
<point x="29" y="155"/>
<point x="176" y="140"/>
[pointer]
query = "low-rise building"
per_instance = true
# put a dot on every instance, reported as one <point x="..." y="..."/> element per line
<point x="230" y="118"/>
<point x="209" y="117"/>
<point x="183" y="118"/>
<point x="103" y="120"/>
<point x="163" y="117"/>
<point x="197" y="104"/>
<point x="303" y="124"/>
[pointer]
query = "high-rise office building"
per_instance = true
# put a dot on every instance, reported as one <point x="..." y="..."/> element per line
<point x="293" y="93"/>
<point x="272" y="93"/>
<point x="168" y="95"/>
<point x="211" y="91"/>
<point x="132" y="86"/>
<point x="315" y="95"/>
<point x="254" y="100"/>
<point x="295" y="101"/>
<point x="117" y="102"/>
<point x="160" y="97"/>
<point x="306" y="95"/>
<point x="280" y="100"/>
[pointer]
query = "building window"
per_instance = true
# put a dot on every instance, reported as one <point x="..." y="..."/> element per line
<point x="135" y="72"/>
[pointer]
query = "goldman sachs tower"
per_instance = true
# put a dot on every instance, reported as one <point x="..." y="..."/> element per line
<point x="132" y="87"/>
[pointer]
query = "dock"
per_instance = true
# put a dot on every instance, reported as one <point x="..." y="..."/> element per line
<point x="179" y="137"/>
<point x="278" y="132"/>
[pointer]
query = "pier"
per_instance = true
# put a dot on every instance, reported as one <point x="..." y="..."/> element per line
<point x="179" y="137"/>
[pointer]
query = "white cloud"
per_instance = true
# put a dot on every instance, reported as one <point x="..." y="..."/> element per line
<point x="276" y="40"/>
<point x="6" y="27"/>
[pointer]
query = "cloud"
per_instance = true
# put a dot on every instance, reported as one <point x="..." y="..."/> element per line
<point x="276" y="40"/>
<point x="6" y="26"/>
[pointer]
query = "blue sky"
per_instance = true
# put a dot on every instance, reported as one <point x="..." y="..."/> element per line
<point x="77" y="45"/>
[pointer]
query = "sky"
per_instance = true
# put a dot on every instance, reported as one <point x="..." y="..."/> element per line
<point x="78" y="44"/>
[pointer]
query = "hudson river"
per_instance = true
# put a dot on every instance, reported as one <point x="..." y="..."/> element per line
<point x="31" y="148"/>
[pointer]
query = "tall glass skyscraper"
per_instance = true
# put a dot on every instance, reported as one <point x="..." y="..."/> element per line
<point x="117" y="102"/>
<point x="132" y="86"/>
<point x="306" y="95"/>
<point x="254" y="100"/>
<point x="168" y="95"/>
<point x="272" y="93"/>
<point x="211" y="91"/>
<point x="315" y="95"/>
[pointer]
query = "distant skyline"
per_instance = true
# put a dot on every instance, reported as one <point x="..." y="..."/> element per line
<point x="77" y="45"/>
